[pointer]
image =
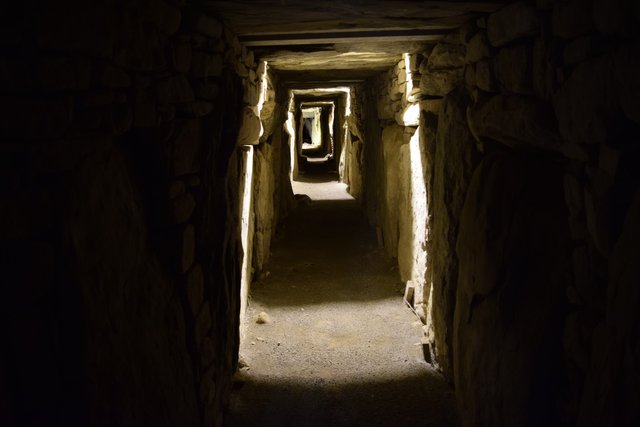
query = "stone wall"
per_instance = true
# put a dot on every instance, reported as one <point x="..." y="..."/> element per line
<point x="272" y="187"/>
<point x="530" y="127"/>
<point x="351" y="153"/>
<point x="395" y="177"/>
<point x="119" y="127"/>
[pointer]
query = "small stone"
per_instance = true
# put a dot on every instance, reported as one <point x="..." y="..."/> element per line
<point x="242" y="363"/>
<point x="263" y="318"/>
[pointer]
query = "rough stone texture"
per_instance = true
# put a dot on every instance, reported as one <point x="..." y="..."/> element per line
<point x="120" y="198"/>
<point x="445" y="56"/>
<point x="513" y="67"/>
<point x="412" y="259"/>
<point x="520" y="122"/>
<point x="543" y="71"/>
<point x="250" y="127"/>
<point x="470" y="75"/>
<point x="405" y="220"/>
<point x="590" y="101"/>
<point x="119" y="180"/>
<point x="572" y="18"/>
<point x="392" y="140"/>
<point x="185" y="148"/>
<point x="616" y="18"/>
<point x="513" y="222"/>
<point x="477" y="48"/>
<point x="514" y="21"/>
<point x="263" y="205"/>
<point x="441" y="82"/>
<point x="559" y="130"/>
<point x="356" y="166"/>
<point x="455" y="158"/>
<point x="485" y="77"/>
<point x="610" y="368"/>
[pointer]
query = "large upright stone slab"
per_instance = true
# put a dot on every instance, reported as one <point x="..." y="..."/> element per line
<point x="513" y="223"/>
<point x="455" y="159"/>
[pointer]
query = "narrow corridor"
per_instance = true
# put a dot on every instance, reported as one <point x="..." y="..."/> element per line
<point x="158" y="269"/>
<point x="339" y="346"/>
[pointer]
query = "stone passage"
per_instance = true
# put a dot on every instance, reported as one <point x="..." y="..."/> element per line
<point x="330" y="342"/>
<point x="147" y="149"/>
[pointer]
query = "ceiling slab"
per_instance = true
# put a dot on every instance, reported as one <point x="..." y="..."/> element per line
<point x="323" y="40"/>
<point x="262" y="17"/>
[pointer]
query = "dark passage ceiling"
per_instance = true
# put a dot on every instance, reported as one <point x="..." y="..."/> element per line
<point x="342" y="41"/>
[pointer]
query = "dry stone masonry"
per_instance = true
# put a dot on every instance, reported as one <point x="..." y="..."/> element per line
<point x="119" y="127"/>
<point x="498" y="164"/>
<point x="529" y="131"/>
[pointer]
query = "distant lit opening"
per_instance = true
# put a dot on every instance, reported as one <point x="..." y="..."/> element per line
<point x="313" y="153"/>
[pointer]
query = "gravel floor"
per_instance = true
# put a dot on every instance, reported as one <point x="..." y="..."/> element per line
<point x="339" y="347"/>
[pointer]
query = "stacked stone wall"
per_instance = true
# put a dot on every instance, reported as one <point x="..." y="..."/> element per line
<point x="120" y="209"/>
<point x="530" y="129"/>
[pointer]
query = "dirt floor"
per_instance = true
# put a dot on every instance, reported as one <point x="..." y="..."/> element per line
<point x="339" y="347"/>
